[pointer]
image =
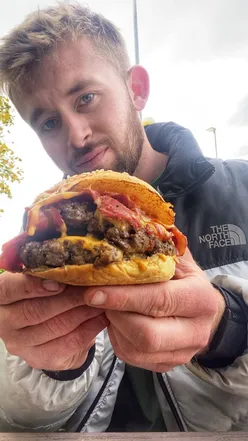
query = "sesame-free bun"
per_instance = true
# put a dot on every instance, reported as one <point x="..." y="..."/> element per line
<point x="157" y="268"/>
<point x="141" y="193"/>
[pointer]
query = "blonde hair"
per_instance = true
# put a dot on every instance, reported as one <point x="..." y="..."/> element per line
<point x="23" y="48"/>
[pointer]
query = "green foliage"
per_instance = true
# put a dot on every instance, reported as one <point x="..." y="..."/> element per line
<point x="10" y="171"/>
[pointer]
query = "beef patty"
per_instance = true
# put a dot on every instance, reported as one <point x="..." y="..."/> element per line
<point x="54" y="253"/>
<point x="80" y="220"/>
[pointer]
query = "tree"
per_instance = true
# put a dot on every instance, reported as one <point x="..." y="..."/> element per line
<point x="10" y="171"/>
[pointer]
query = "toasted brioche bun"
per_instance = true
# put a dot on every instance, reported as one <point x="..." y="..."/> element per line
<point x="157" y="268"/>
<point x="141" y="193"/>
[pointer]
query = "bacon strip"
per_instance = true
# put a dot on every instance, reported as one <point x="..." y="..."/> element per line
<point x="10" y="259"/>
<point x="114" y="209"/>
<point x="179" y="240"/>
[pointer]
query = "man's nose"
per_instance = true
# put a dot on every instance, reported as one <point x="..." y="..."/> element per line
<point x="79" y="131"/>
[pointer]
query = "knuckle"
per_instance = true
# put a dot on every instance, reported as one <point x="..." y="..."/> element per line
<point x="179" y="358"/>
<point x="152" y="342"/>
<point x="4" y="292"/>
<point x="31" y="311"/>
<point x="148" y="340"/>
<point x="201" y="335"/>
<point x="74" y="341"/>
<point x="162" y="304"/>
<point x="41" y="357"/>
<point x="10" y="315"/>
<point x="58" y="326"/>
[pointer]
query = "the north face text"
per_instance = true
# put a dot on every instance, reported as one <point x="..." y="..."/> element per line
<point x="225" y="235"/>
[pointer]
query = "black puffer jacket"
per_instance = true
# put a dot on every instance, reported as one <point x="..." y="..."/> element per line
<point x="209" y="197"/>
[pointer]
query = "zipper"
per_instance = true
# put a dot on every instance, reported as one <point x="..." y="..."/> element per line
<point x="168" y="397"/>
<point x="97" y="398"/>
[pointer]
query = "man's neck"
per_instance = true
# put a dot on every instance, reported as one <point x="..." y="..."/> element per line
<point x="151" y="163"/>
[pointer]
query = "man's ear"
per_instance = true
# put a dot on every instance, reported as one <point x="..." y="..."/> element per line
<point x="138" y="81"/>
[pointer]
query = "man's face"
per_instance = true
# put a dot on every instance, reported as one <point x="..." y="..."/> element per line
<point x="82" y="111"/>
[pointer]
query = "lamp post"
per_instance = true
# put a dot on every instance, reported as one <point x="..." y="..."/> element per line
<point x="213" y="130"/>
<point x="136" y="32"/>
<point x="136" y="37"/>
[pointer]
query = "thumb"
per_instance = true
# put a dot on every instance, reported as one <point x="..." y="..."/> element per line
<point x="186" y="266"/>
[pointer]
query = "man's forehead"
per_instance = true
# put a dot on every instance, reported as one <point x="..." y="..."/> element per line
<point x="65" y="60"/>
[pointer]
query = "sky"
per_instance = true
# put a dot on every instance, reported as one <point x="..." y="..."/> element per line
<point x="196" y="54"/>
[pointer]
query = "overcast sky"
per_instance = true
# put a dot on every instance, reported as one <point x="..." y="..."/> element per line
<point x="196" y="54"/>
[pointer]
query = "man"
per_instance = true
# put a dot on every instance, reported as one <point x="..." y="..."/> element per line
<point x="169" y="356"/>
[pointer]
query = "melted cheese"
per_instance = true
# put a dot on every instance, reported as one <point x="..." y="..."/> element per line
<point x="89" y="242"/>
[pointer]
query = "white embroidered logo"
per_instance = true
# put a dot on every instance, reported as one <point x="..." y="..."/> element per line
<point x="221" y="236"/>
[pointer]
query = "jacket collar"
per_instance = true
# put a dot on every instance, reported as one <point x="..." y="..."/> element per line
<point x="186" y="168"/>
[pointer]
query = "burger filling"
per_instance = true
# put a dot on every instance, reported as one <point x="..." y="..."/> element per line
<point x="92" y="238"/>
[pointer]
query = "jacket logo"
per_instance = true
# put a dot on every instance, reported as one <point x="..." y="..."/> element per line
<point x="221" y="236"/>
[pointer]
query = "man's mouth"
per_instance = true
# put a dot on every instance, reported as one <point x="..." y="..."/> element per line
<point x="89" y="160"/>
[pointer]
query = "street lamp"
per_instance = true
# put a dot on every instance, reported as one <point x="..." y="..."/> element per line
<point x="213" y="130"/>
<point x="136" y="31"/>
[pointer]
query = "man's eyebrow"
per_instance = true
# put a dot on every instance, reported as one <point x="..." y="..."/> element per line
<point x="35" y="115"/>
<point x="80" y="85"/>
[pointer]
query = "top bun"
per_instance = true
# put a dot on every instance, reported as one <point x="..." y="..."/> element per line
<point x="141" y="193"/>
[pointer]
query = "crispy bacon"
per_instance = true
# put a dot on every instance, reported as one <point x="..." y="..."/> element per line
<point x="179" y="240"/>
<point x="10" y="259"/>
<point x="114" y="209"/>
<point x="54" y="218"/>
<point x="124" y="199"/>
<point x="159" y="230"/>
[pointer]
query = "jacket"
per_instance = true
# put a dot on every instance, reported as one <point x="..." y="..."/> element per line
<point x="208" y="196"/>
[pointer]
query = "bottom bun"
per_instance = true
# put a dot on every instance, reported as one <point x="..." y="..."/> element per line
<point x="157" y="268"/>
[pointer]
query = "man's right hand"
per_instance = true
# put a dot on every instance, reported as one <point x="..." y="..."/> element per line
<point x="45" y="323"/>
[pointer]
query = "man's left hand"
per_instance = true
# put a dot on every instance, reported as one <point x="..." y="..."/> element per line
<point x="162" y="325"/>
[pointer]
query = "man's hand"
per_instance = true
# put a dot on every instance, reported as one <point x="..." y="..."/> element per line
<point x="160" y="326"/>
<point x="45" y="323"/>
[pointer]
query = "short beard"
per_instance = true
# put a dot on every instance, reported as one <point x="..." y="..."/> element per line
<point x="127" y="152"/>
<point x="128" y="157"/>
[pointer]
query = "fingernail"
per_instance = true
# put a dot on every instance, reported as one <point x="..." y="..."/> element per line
<point x="98" y="299"/>
<point x="51" y="285"/>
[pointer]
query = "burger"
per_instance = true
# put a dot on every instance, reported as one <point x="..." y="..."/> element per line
<point x="98" y="228"/>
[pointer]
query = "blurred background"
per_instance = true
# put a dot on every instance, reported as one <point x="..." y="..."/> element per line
<point x="196" y="55"/>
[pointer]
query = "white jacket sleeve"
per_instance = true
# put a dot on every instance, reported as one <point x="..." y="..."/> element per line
<point x="31" y="401"/>
<point x="218" y="397"/>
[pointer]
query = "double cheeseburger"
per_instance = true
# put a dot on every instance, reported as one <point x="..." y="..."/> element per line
<point x="99" y="228"/>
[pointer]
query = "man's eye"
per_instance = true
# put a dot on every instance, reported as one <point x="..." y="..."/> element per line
<point x="85" y="99"/>
<point x="50" y="124"/>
